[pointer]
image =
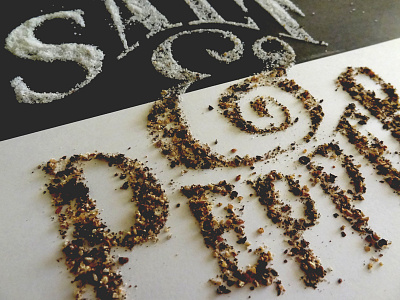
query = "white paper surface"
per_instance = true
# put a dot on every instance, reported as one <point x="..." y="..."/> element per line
<point x="179" y="265"/>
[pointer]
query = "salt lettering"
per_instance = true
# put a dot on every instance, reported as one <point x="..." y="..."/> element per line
<point x="23" y="43"/>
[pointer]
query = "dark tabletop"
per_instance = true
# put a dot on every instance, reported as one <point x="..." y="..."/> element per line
<point x="132" y="80"/>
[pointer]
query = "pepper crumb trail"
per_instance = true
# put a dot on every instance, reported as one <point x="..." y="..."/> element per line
<point x="280" y="214"/>
<point x="259" y="274"/>
<point x="88" y="253"/>
<point x="172" y="136"/>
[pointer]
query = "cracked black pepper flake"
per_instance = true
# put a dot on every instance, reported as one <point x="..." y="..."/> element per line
<point x="242" y="240"/>
<point x="223" y="290"/>
<point x="382" y="242"/>
<point x="123" y="260"/>
<point x="125" y="186"/>
<point x="304" y="160"/>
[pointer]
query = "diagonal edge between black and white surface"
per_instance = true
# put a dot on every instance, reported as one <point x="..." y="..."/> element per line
<point x="132" y="80"/>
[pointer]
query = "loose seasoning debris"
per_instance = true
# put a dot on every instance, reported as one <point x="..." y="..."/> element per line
<point x="88" y="253"/>
<point x="280" y="214"/>
<point x="259" y="274"/>
<point x="172" y="135"/>
<point x="357" y="219"/>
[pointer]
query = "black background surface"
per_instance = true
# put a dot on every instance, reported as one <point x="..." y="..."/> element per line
<point x="132" y="80"/>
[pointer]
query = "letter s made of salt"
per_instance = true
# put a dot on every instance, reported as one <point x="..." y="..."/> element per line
<point x="23" y="43"/>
